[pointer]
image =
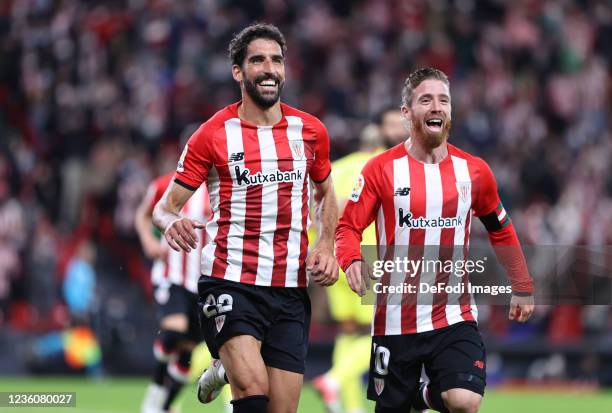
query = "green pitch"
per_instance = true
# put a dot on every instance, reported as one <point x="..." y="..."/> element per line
<point x="123" y="396"/>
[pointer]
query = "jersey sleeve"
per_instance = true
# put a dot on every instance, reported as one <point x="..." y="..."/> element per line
<point x="157" y="188"/>
<point x="487" y="198"/>
<point x="156" y="192"/>
<point x="196" y="159"/>
<point x="321" y="167"/>
<point x="502" y="234"/>
<point x="359" y="212"/>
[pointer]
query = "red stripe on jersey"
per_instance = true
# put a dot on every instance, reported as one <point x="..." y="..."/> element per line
<point x="283" y="221"/>
<point x="167" y="265"/>
<point x="380" y="315"/>
<point x="447" y="238"/>
<point x="418" y="205"/>
<point x="225" y="206"/>
<point x="252" y="223"/>
<point x="388" y="209"/>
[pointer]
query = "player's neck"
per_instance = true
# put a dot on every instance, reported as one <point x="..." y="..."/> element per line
<point x="249" y="111"/>
<point x="426" y="154"/>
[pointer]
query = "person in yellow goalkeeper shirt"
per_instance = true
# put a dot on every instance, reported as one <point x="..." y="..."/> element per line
<point x="341" y="387"/>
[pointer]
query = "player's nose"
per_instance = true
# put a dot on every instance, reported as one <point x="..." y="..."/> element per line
<point x="436" y="106"/>
<point x="268" y="67"/>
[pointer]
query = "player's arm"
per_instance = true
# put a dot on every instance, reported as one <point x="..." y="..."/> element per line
<point x="143" y="224"/>
<point x="506" y="245"/>
<point x="179" y="231"/>
<point x="191" y="172"/>
<point x="358" y="214"/>
<point x="321" y="262"/>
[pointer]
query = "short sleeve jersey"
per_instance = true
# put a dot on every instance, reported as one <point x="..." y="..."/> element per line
<point x="257" y="179"/>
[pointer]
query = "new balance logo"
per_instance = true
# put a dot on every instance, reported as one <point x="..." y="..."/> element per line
<point x="236" y="157"/>
<point x="421" y="222"/>
<point x="402" y="191"/>
<point x="244" y="177"/>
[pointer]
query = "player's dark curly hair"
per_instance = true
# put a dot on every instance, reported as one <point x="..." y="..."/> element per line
<point x="415" y="78"/>
<point x="240" y="42"/>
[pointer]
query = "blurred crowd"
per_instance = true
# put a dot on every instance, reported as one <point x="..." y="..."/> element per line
<point x="94" y="96"/>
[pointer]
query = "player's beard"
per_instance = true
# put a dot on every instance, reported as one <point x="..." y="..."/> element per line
<point x="431" y="139"/>
<point x="264" y="101"/>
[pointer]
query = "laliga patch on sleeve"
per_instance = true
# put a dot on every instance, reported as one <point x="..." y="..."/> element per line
<point x="357" y="188"/>
<point x="180" y="167"/>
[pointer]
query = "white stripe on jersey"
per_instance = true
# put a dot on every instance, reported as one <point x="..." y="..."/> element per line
<point x="294" y="136"/>
<point x="208" y="252"/>
<point x="235" y="235"/>
<point x="433" y="209"/>
<point x="464" y="209"/>
<point x="401" y="178"/>
<point x="269" y="206"/>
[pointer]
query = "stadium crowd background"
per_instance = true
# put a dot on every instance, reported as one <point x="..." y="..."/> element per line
<point x="94" y="96"/>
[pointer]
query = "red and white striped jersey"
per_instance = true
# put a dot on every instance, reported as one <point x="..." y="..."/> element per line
<point x="179" y="267"/>
<point x="257" y="178"/>
<point x="419" y="210"/>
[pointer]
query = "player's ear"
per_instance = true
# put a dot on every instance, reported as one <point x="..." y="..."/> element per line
<point x="237" y="73"/>
<point x="406" y="113"/>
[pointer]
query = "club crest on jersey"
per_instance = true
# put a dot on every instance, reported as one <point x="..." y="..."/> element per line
<point x="219" y="321"/>
<point x="464" y="189"/>
<point x="180" y="167"/>
<point x="297" y="150"/>
<point x="379" y="385"/>
<point x="357" y="188"/>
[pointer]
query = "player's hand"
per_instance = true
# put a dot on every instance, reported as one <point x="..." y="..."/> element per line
<point x="357" y="279"/>
<point x="181" y="234"/>
<point x="521" y="308"/>
<point x="322" y="266"/>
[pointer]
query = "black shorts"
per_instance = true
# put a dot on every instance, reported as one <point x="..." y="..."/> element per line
<point x="279" y="317"/>
<point x="174" y="299"/>
<point x="453" y="356"/>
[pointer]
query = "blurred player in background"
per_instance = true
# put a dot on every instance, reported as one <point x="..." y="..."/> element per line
<point x="340" y="387"/>
<point x="258" y="158"/>
<point x="174" y="277"/>
<point x="409" y="189"/>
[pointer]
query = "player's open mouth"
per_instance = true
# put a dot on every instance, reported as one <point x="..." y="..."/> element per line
<point x="434" y="124"/>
